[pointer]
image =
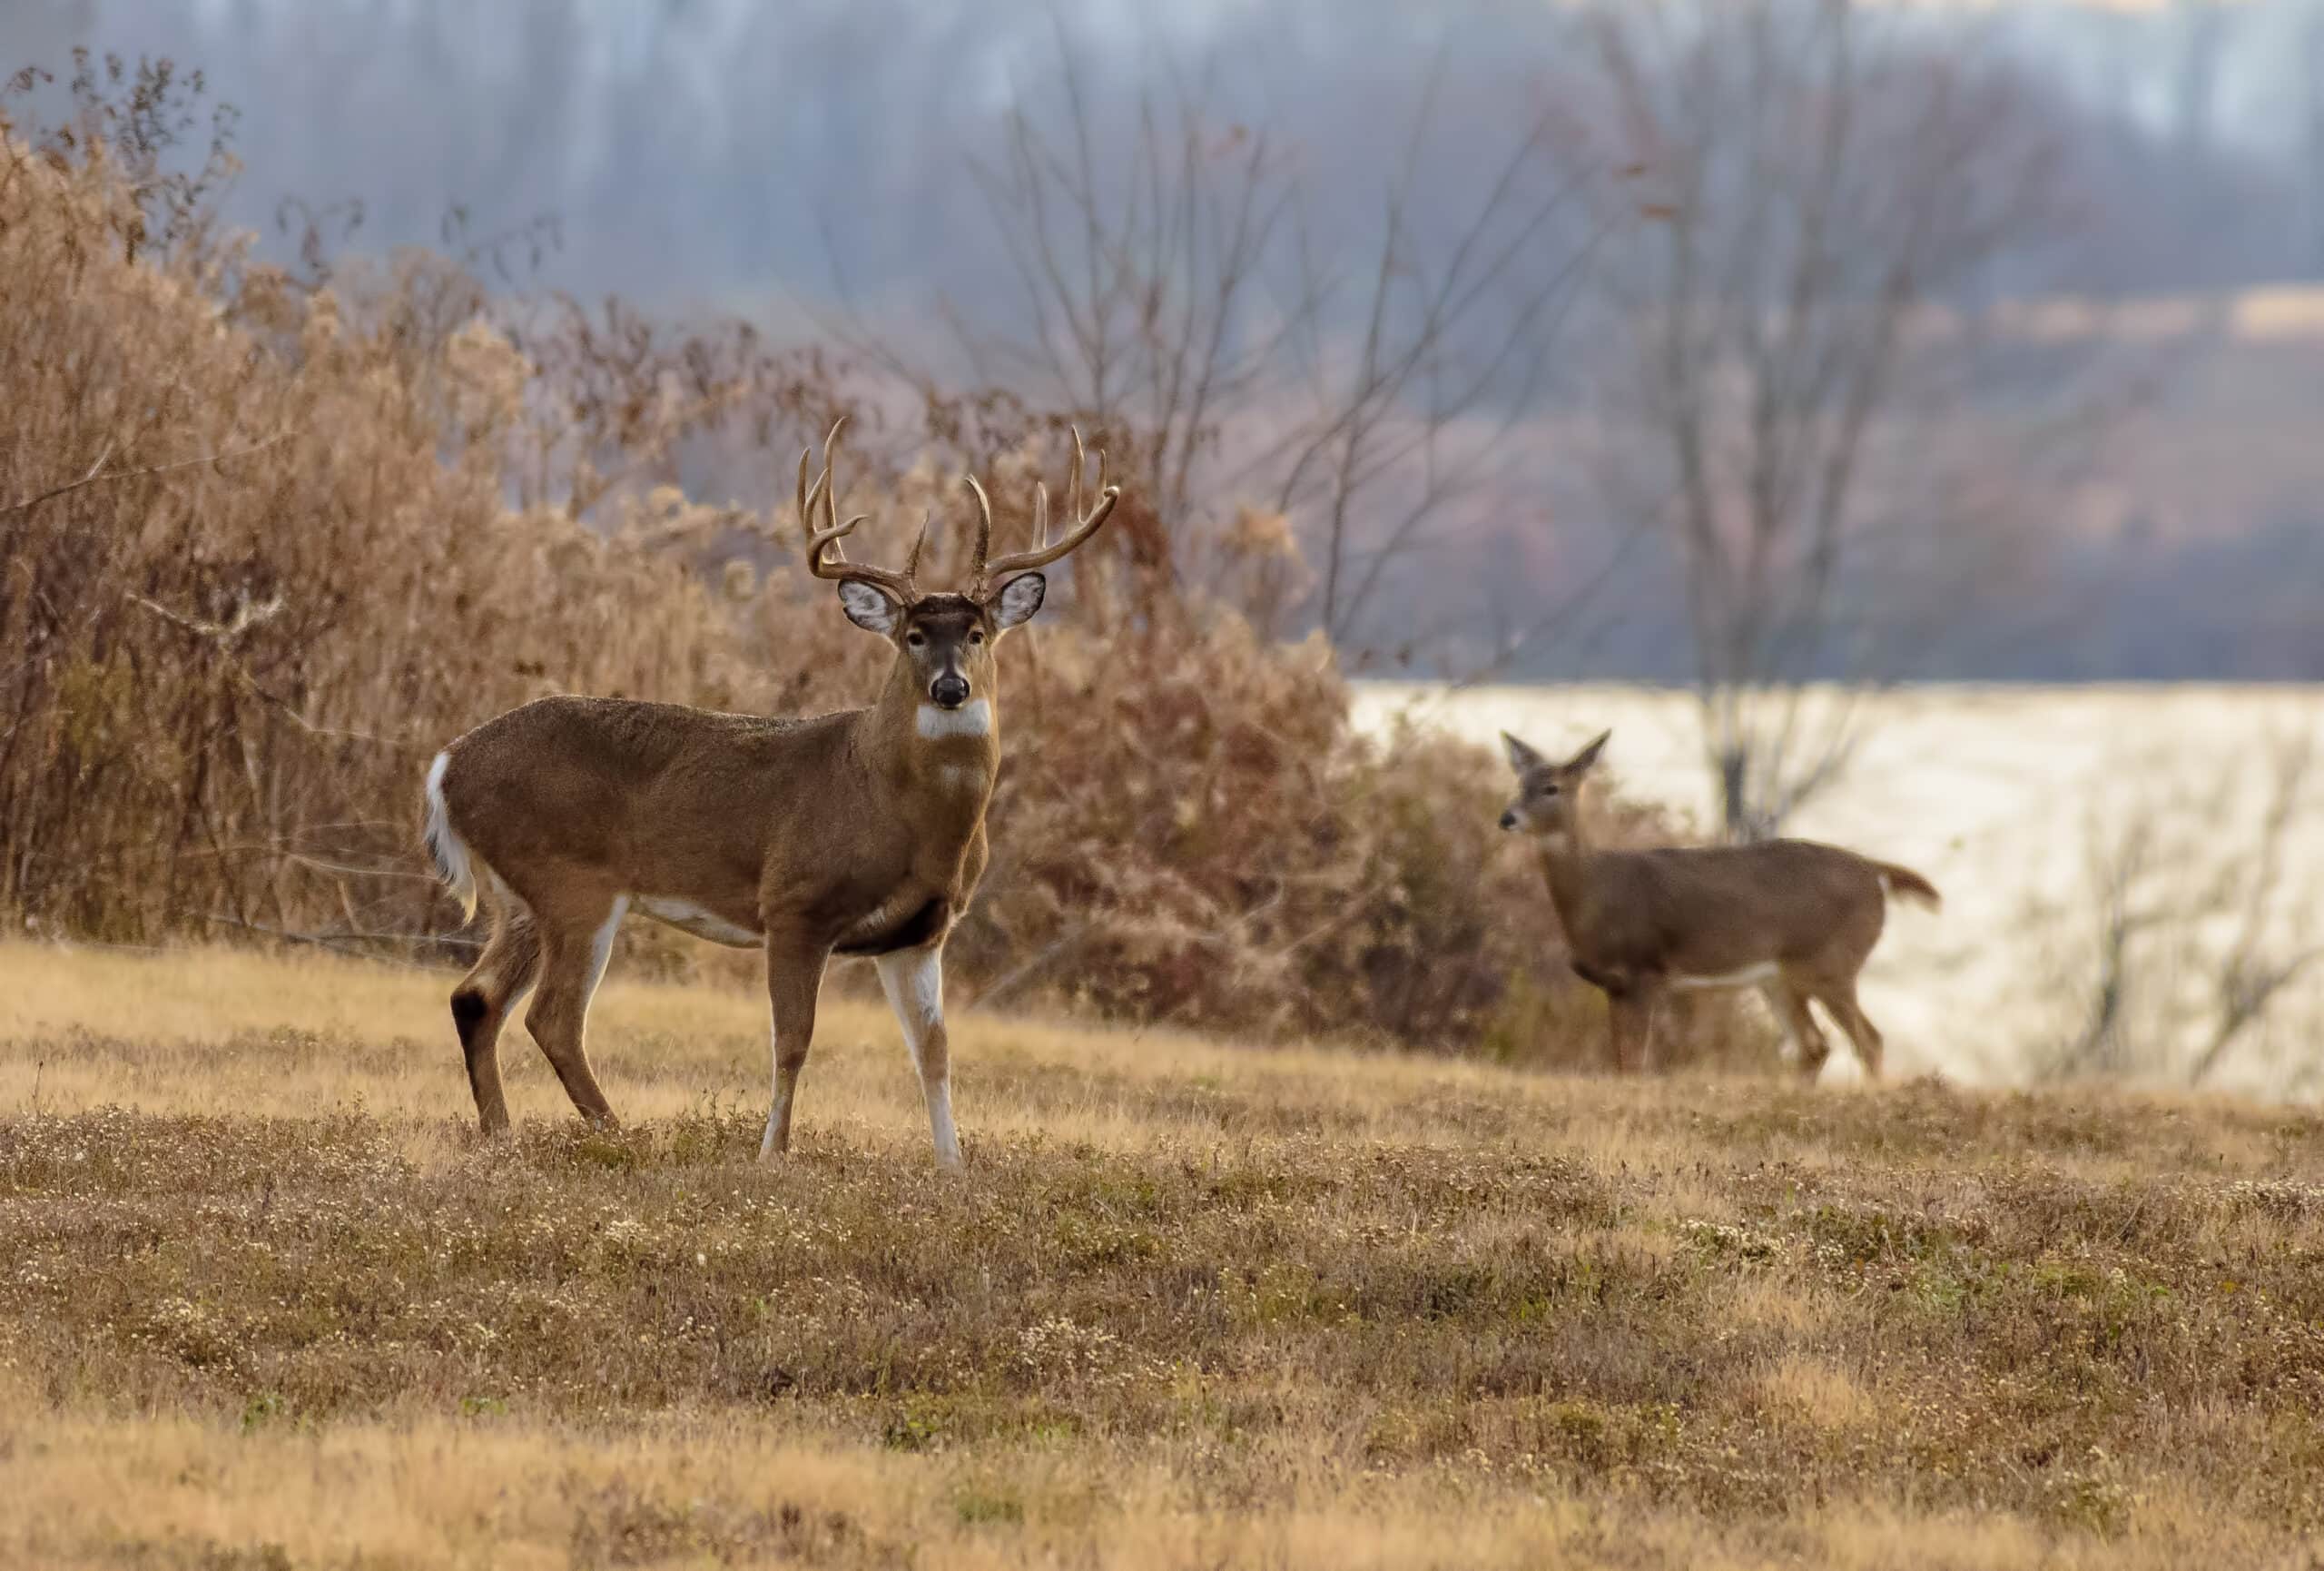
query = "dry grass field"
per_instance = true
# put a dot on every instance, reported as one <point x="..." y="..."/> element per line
<point x="265" y="1302"/>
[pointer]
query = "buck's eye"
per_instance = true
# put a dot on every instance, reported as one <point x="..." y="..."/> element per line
<point x="916" y="639"/>
<point x="1549" y="790"/>
<point x="976" y="637"/>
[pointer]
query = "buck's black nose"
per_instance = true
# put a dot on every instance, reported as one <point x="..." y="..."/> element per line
<point x="950" y="691"/>
<point x="1508" y="819"/>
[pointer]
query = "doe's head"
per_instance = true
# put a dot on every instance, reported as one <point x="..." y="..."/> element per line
<point x="946" y="638"/>
<point x="1549" y="794"/>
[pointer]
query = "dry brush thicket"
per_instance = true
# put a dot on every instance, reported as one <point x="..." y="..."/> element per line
<point x="265" y="1302"/>
<point x="272" y="535"/>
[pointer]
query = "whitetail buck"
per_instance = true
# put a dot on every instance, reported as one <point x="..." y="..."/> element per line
<point x="1790" y="916"/>
<point x="860" y="833"/>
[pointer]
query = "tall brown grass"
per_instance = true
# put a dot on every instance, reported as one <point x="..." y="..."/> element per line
<point x="273" y="534"/>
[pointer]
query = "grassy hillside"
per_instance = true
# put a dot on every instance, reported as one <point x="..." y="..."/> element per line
<point x="263" y="1302"/>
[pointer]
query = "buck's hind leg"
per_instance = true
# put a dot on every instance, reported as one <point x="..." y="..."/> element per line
<point x="913" y="979"/>
<point x="573" y="963"/>
<point x="487" y="996"/>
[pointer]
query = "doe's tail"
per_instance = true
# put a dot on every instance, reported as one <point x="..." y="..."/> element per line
<point x="453" y="864"/>
<point x="1904" y="884"/>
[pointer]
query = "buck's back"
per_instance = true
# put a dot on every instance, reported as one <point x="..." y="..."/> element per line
<point x="626" y="784"/>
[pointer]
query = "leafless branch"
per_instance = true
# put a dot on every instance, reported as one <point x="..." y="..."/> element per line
<point x="344" y="942"/>
<point x="99" y="475"/>
<point x="246" y="618"/>
<point x="1168" y="281"/>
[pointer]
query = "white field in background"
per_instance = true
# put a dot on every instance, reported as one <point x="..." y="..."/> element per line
<point x="1999" y="793"/>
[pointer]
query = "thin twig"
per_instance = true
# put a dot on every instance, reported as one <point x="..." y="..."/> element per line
<point x="340" y="941"/>
<point x="247" y="617"/>
<point x="98" y="473"/>
<point x="1007" y="983"/>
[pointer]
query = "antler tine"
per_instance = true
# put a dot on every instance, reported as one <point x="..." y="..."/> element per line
<point x="911" y="563"/>
<point x="826" y="558"/>
<point x="978" y="576"/>
<point x="825" y="491"/>
<point x="808" y="494"/>
<point x="1084" y="524"/>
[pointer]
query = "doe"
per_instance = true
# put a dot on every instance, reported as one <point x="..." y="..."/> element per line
<point x="861" y="832"/>
<point x="1793" y="917"/>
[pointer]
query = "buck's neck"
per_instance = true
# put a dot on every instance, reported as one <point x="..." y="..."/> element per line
<point x="941" y="760"/>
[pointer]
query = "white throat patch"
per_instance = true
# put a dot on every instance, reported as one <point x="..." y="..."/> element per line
<point x="973" y="718"/>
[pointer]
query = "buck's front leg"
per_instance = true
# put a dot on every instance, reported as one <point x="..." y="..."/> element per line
<point x="795" y="979"/>
<point x="913" y="979"/>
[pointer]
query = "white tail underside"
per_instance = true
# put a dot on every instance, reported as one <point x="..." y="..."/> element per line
<point x="453" y="863"/>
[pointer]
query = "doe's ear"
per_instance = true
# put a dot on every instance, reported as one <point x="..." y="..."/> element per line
<point x="1588" y="755"/>
<point x="1018" y="598"/>
<point x="870" y="607"/>
<point x="1521" y="758"/>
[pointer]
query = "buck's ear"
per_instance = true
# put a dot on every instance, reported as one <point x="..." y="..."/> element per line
<point x="1018" y="598"/>
<point x="871" y="608"/>
<point x="1588" y="755"/>
<point x="1521" y="758"/>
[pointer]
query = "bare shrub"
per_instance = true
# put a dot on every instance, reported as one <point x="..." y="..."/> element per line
<point x="259" y="563"/>
<point x="2192" y="943"/>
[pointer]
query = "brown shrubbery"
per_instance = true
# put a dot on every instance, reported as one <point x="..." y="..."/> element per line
<point x="272" y="536"/>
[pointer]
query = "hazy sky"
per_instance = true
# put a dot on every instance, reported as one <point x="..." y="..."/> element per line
<point x="714" y="147"/>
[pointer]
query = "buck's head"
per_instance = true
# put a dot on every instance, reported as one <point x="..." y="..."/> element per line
<point x="945" y="640"/>
<point x="1549" y="795"/>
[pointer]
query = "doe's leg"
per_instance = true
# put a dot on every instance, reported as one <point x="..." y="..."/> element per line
<point x="1839" y="997"/>
<point x="1630" y="1017"/>
<point x="1810" y="1046"/>
<point x="913" y="979"/>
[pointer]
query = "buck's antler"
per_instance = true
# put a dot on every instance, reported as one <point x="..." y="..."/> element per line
<point x="825" y="557"/>
<point x="982" y="573"/>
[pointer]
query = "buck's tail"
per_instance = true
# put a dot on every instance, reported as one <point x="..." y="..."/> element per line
<point x="1904" y="884"/>
<point x="444" y="843"/>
